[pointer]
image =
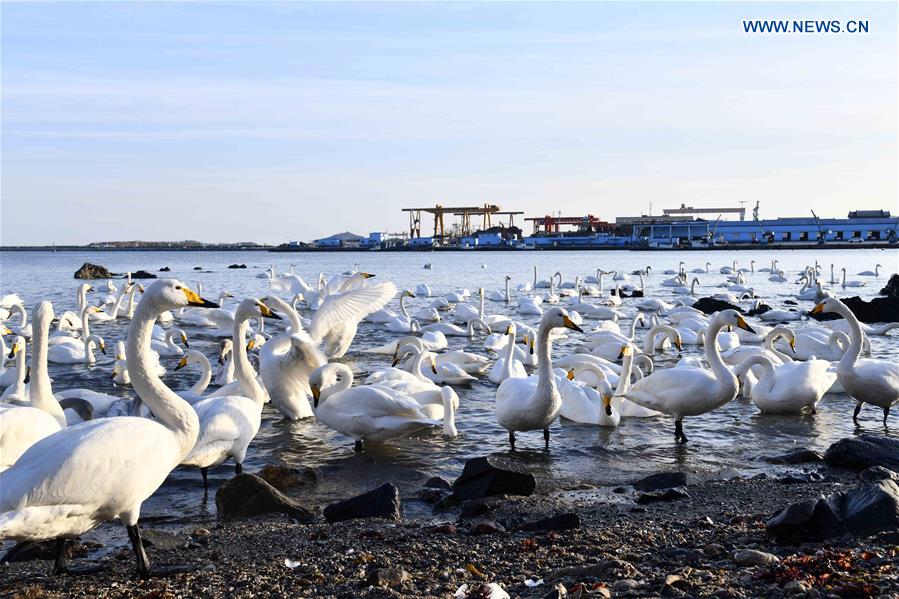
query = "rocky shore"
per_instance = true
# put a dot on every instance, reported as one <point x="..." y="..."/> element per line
<point x="663" y="536"/>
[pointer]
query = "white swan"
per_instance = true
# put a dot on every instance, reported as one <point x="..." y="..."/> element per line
<point x="525" y="404"/>
<point x="370" y="413"/>
<point x="403" y="322"/>
<point x="868" y="273"/>
<point x="866" y="380"/>
<point x="195" y="392"/>
<point x="584" y="404"/>
<point x="44" y="495"/>
<point x="168" y="347"/>
<point x="846" y="283"/>
<point x="508" y="366"/>
<point x="23" y="328"/>
<point x="681" y="392"/>
<point x="20" y="426"/>
<point x="228" y="423"/>
<point x="453" y="330"/>
<point x="65" y="353"/>
<point x="16" y="392"/>
<point x="790" y="388"/>
<point x="500" y="296"/>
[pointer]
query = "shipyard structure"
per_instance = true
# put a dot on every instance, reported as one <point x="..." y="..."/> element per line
<point x="488" y="227"/>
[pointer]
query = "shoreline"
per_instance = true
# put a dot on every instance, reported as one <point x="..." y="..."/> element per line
<point x="682" y="548"/>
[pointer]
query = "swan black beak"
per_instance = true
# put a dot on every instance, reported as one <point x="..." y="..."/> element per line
<point x="608" y="403"/>
<point x="103" y="348"/>
<point x="569" y="324"/>
<point x="743" y="325"/>
<point x="267" y="312"/>
<point x="316" y="393"/>
<point x="195" y="300"/>
<point x="184" y="341"/>
<point x="182" y="363"/>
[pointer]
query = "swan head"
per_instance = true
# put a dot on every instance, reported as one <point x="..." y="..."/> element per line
<point x="227" y="346"/>
<point x="324" y="377"/>
<point x="253" y="308"/>
<point x="407" y="293"/>
<point x="4" y="330"/>
<point x="732" y="318"/>
<point x="101" y="344"/>
<point x="827" y="305"/>
<point x="17" y="346"/>
<point x="191" y="357"/>
<point x="169" y="294"/>
<point x="558" y="318"/>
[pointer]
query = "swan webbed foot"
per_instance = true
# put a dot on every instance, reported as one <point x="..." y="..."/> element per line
<point x="205" y="473"/>
<point x="143" y="563"/>
<point x="61" y="565"/>
<point x="858" y="408"/>
<point x="238" y="468"/>
<point x="546" y="437"/>
<point x="357" y="446"/>
<point x="512" y="440"/>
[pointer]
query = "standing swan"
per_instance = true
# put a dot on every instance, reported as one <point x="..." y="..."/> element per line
<point x="681" y="392"/>
<point x="46" y="494"/>
<point x="526" y="404"/>
<point x="867" y="381"/>
<point x="23" y="426"/>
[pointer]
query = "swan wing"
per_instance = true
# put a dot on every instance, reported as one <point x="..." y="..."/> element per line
<point x="350" y="307"/>
<point x="678" y="391"/>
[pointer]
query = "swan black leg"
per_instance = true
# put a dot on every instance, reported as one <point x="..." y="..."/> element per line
<point x="886" y="412"/>
<point x="512" y="440"/>
<point x="546" y="437"/>
<point x="858" y="408"/>
<point x="238" y="468"/>
<point x="61" y="565"/>
<point x="205" y="473"/>
<point x="357" y="446"/>
<point x="143" y="563"/>
<point x="679" y="436"/>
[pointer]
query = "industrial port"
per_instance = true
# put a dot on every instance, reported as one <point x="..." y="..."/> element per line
<point x="489" y="227"/>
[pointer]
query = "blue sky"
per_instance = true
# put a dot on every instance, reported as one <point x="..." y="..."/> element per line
<point x="277" y="121"/>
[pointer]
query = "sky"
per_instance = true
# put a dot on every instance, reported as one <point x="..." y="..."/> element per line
<point x="290" y="121"/>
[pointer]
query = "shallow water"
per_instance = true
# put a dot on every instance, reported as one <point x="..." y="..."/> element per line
<point x="726" y="442"/>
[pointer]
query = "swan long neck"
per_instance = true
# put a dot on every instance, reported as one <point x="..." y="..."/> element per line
<point x="481" y="303"/>
<point x="510" y="354"/>
<point x="21" y="367"/>
<point x="403" y="306"/>
<point x="767" y="378"/>
<point x="649" y="342"/>
<point x="535" y="277"/>
<point x="343" y="382"/>
<point x="713" y="356"/>
<point x="89" y="349"/>
<point x="243" y="370"/>
<point x="23" y="315"/>
<point x="449" y="411"/>
<point x="118" y="301"/>
<point x="41" y="390"/>
<point x="169" y="409"/>
<point x="508" y="295"/>
<point x="546" y="382"/>
<point x="638" y="318"/>
<point x="624" y="377"/>
<point x="85" y="321"/>
<point x="770" y="338"/>
<point x="82" y="297"/>
<point x="855" y="336"/>
<point x="205" y="376"/>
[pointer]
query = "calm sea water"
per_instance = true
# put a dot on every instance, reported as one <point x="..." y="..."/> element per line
<point x="725" y="442"/>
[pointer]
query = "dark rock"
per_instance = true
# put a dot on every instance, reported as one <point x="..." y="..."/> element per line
<point x="486" y="527"/>
<point x="473" y="508"/>
<point x="383" y="502"/>
<point x="878" y="473"/>
<point x="248" y="495"/>
<point x="198" y="268"/>
<point x="892" y="287"/>
<point x="447" y="528"/>
<point x="800" y="456"/>
<point x="790" y="302"/>
<point x="237" y="266"/>
<point x="610" y="568"/>
<point x="565" y="521"/>
<point x="879" y="309"/>
<point x="283" y="477"/>
<point x="666" y="495"/>
<point x="162" y="539"/>
<point x="863" y="511"/>
<point x="435" y="482"/>
<point x="710" y="305"/>
<point x="751" y="557"/>
<point x="663" y="480"/>
<point x="858" y="453"/>
<point x="800" y="477"/>
<point x="46" y="550"/>
<point x="388" y="577"/>
<point x="92" y="271"/>
<point x="430" y="495"/>
<point x="165" y="269"/>
<point x="492" y="475"/>
<point x="142" y="274"/>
